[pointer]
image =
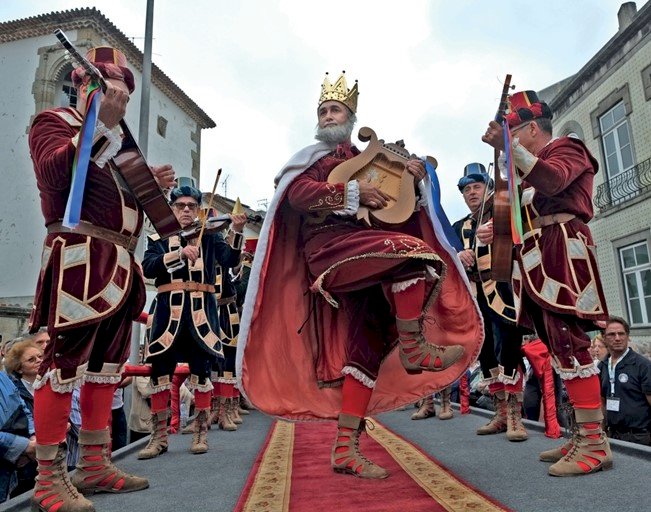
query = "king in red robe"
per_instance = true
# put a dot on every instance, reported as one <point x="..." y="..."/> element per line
<point x="330" y="298"/>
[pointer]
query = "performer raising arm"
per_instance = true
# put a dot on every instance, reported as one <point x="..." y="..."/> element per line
<point x="556" y="280"/>
<point x="89" y="290"/>
<point x="370" y="286"/>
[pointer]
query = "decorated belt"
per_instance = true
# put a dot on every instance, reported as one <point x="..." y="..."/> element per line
<point x="554" y="218"/>
<point x="186" y="286"/>
<point x="129" y="242"/>
<point x="224" y="302"/>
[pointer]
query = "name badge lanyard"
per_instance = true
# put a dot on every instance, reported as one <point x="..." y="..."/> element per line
<point x="611" y="371"/>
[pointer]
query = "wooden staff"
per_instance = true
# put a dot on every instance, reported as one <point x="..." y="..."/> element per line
<point x="212" y="195"/>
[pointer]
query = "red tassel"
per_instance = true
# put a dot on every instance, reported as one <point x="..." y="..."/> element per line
<point x="541" y="363"/>
<point x="464" y="394"/>
<point x="175" y="420"/>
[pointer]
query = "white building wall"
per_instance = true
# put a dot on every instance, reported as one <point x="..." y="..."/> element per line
<point x="632" y="219"/>
<point x="21" y="224"/>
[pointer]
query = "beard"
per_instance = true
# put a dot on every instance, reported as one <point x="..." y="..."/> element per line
<point x="336" y="134"/>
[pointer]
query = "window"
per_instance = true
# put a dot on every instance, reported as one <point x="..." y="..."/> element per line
<point x="636" y="274"/>
<point x="161" y="126"/>
<point x="67" y="93"/>
<point x="69" y="97"/>
<point x="616" y="140"/>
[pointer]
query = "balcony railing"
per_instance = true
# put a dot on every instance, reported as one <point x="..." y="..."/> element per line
<point x="624" y="186"/>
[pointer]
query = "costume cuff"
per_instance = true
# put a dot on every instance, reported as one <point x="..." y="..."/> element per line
<point x="235" y="239"/>
<point x="422" y="191"/>
<point x="173" y="260"/>
<point x="527" y="196"/>
<point x="358" y="375"/>
<point x="522" y="158"/>
<point x="352" y="199"/>
<point x="107" y="150"/>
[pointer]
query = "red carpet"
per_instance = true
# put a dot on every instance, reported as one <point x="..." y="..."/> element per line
<point x="292" y="473"/>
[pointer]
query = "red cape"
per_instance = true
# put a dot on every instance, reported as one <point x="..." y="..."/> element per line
<point x="276" y="364"/>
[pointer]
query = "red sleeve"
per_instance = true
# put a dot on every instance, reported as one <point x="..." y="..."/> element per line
<point x="310" y="193"/>
<point x="52" y="150"/>
<point x="558" y="169"/>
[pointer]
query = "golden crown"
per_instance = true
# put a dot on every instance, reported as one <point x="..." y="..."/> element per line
<point x="339" y="92"/>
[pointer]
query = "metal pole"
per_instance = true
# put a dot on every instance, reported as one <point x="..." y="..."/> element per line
<point x="143" y="134"/>
<point x="143" y="140"/>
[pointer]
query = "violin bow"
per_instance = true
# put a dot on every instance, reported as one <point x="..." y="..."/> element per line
<point x="212" y="196"/>
<point x="481" y="210"/>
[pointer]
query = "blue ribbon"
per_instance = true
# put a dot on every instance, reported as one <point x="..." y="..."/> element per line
<point x="80" y="167"/>
<point x="448" y="230"/>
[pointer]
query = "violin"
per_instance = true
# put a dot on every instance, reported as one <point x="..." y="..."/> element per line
<point x="131" y="163"/>
<point x="213" y="224"/>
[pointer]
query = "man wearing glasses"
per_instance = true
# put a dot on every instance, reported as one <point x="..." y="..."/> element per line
<point x="556" y="281"/>
<point x="185" y="325"/>
<point x="625" y="386"/>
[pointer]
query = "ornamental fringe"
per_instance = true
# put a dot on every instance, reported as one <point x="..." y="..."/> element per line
<point x="224" y="380"/>
<point x="159" y="387"/>
<point x="99" y="378"/>
<point x="358" y="376"/>
<point x="582" y="372"/>
<point x="403" y="285"/>
<point x="505" y="379"/>
<point x="55" y="384"/>
<point x="204" y="388"/>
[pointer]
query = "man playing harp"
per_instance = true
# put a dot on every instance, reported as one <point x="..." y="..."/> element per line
<point x="372" y="289"/>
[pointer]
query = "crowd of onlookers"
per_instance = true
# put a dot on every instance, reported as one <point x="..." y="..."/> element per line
<point x="21" y="358"/>
<point x="625" y="382"/>
<point x="625" y="379"/>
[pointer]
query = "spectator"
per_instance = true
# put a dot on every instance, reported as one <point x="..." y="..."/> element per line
<point x="74" y="426"/>
<point x="118" y="418"/>
<point x="22" y="361"/>
<point x="598" y="348"/>
<point x="625" y="386"/>
<point x="17" y="441"/>
<point x="140" y="414"/>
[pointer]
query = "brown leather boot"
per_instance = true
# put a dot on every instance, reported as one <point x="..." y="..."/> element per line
<point x="53" y="489"/>
<point x="158" y="440"/>
<point x="232" y="412"/>
<point x="245" y="404"/>
<point x="189" y="428"/>
<point x="556" y="454"/>
<point x="515" y="430"/>
<point x="350" y="460"/>
<point x="417" y="355"/>
<point x="95" y="471"/>
<point x="497" y="424"/>
<point x="590" y="450"/>
<point x="200" y="437"/>
<point x="445" y="412"/>
<point x="214" y="410"/>
<point x="426" y="409"/>
<point x="224" y="421"/>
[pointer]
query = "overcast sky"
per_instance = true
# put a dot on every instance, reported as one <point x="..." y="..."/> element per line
<point x="429" y="72"/>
